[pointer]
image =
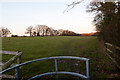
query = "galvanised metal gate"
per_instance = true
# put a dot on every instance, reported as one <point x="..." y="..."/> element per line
<point x="17" y="67"/>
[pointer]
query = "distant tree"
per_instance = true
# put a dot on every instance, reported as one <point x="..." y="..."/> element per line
<point x="60" y="31"/>
<point x="44" y="30"/>
<point x="51" y="31"/>
<point x="38" y="30"/>
<point x="4" y="32"/>
<point x="47" y="31"/>
<point x="56" y="32"/>
<point x="29" y="30"/>
<point x="34" y="33"/>
<point x="68" y="33"/>
<point x="14" y="36"/>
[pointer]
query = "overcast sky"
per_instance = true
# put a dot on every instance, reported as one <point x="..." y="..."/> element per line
<point x="17" y="15"/>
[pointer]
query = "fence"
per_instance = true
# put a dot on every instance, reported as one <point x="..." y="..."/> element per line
<point x="4" y="65"/>
<point x="9" y="62"/>
<point x="17" y="67"/>
<point x="113" y="52"/>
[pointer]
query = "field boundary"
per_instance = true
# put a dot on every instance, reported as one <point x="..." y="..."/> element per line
<point x="9" y="62"/>
<point x="112" y="52"/>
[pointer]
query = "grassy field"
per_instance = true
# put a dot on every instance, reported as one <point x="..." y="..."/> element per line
<point x="39" y="47"/>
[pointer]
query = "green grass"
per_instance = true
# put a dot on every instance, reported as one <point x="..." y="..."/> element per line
<point x="6" y="57"/>
<point x="39" y="47"/>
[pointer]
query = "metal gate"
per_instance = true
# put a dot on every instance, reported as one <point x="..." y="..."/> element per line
<point x="17" y="67"/>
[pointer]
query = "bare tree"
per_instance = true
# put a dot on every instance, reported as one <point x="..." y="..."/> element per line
<point x="29" y="30"/>
<point x="4" y="32"/>
<point x="38" y="29"/>
<point x="51" y="31"/>
<point x="34" y="33"/>
<point x="44" y="29"/>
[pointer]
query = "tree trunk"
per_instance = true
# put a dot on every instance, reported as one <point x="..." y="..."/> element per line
<point x="43" y="32"/>
<point x="38" y="34"/>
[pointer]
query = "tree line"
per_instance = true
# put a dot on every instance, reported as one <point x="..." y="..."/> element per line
<point x="39" y="30"/>
<point x="4" y="32"/>
<point x="43" y="30"/>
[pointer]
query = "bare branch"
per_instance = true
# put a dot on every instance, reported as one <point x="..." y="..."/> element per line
<point x="72" y="5"/>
